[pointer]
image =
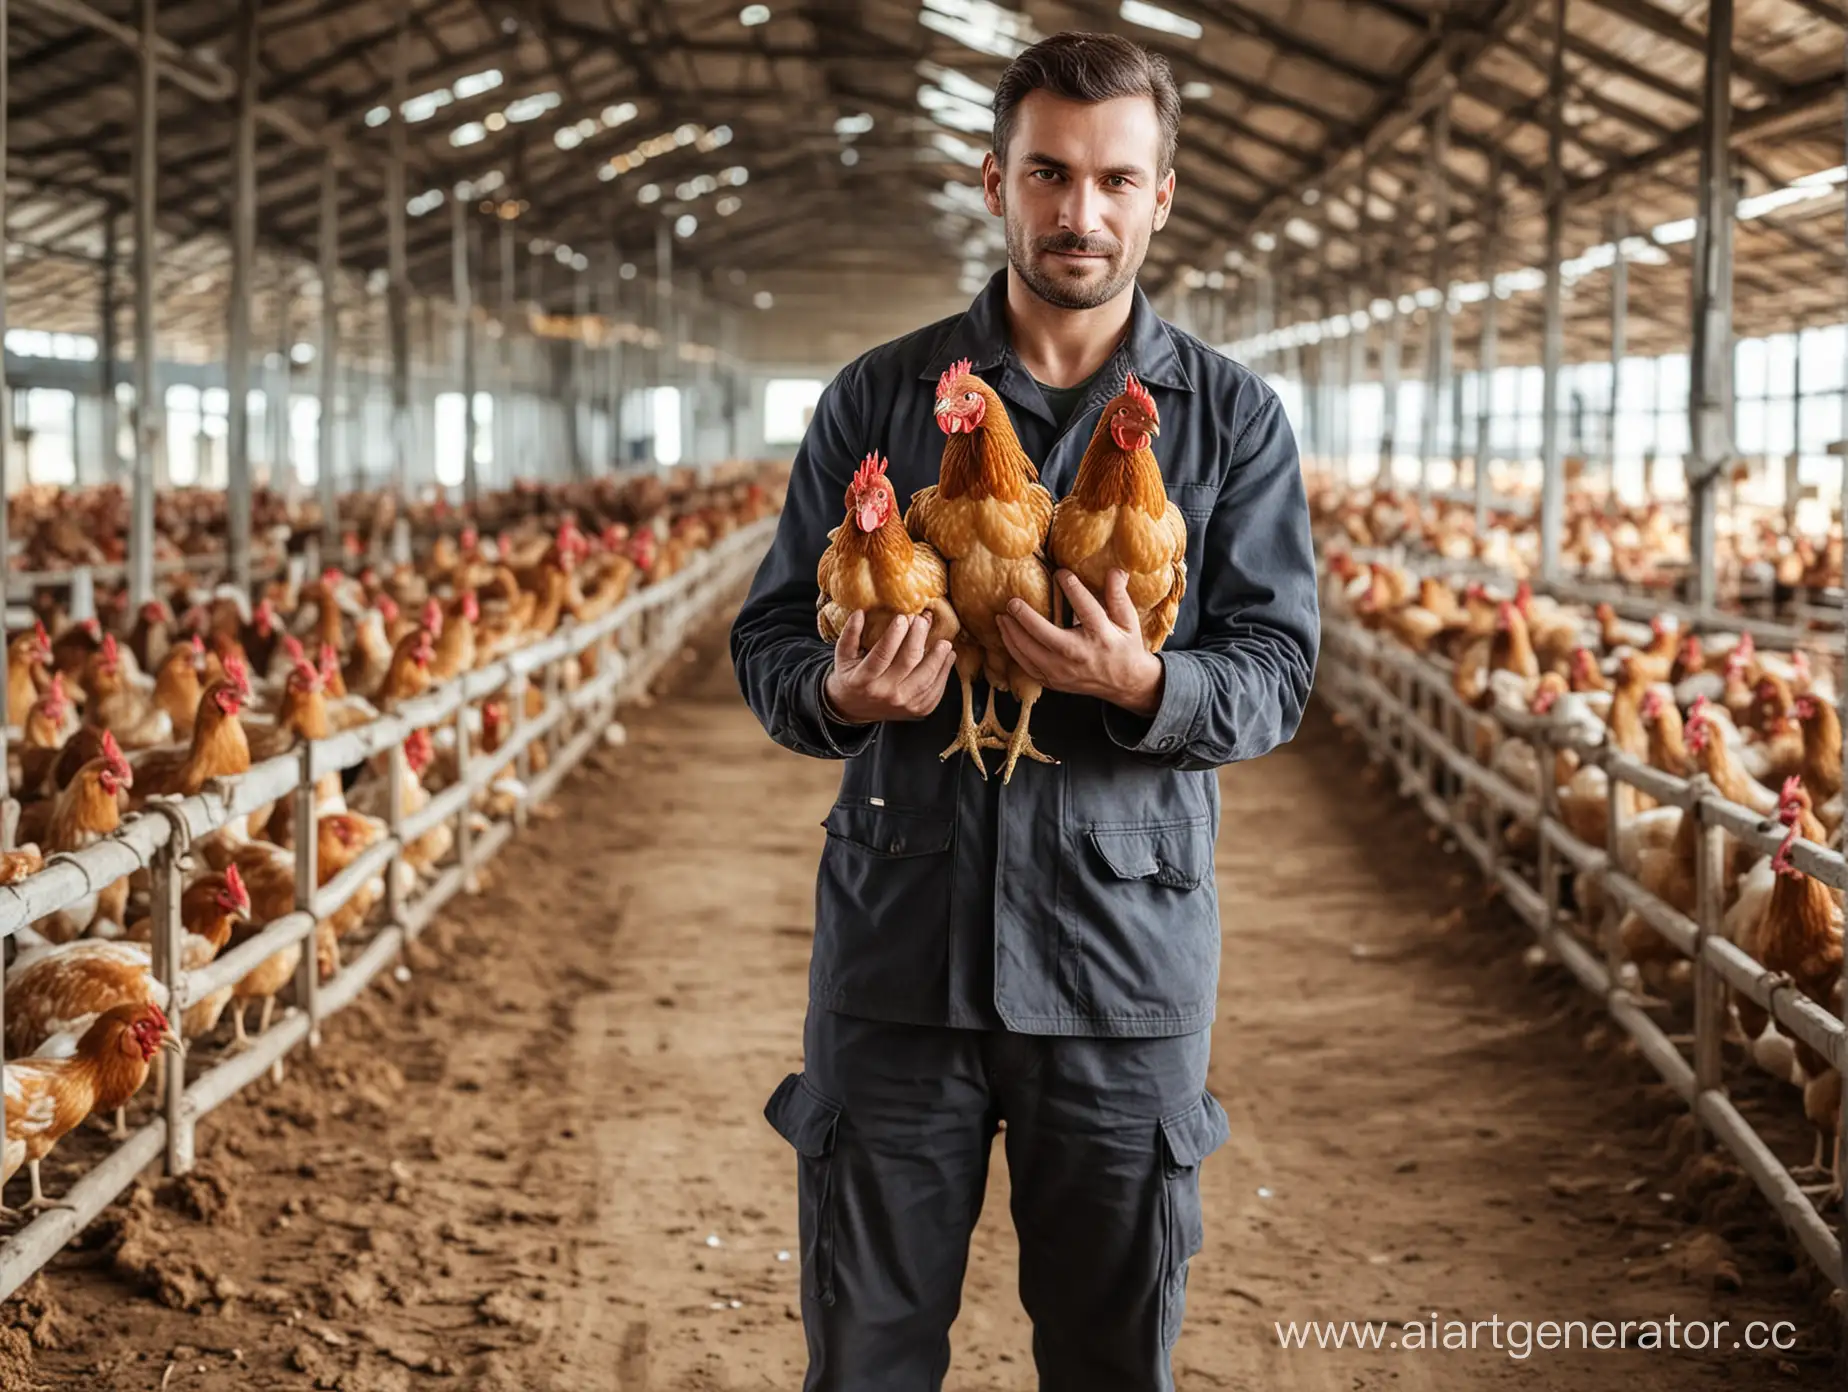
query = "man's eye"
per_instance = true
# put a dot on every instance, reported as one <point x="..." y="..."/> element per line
<point x="1047" y="173"/>
<point x="1117" y="181"/>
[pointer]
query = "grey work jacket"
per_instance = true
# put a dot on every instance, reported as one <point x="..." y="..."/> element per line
<point x="1080" y="898"/>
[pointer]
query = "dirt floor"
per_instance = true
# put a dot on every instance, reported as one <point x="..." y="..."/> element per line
<point x="540" y="1165"/>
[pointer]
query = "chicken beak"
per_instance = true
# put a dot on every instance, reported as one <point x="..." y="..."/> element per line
<point x="170" y="1043"/>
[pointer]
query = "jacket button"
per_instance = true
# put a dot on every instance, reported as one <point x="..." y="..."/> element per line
<point x="898" y="845"/>
<point x="1167" y="741"/>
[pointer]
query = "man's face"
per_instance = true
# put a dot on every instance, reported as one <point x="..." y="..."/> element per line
<point x="1079" y="196"/>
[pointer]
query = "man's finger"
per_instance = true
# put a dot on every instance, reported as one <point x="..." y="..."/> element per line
<point x="1024" y="648"/>
<point x="911" y="652"/>
<point x="1117" y="603"/>
<point x="1065" y="642"/>
<point x="924" y="687"/>
<point x="847" y="645"/>
<point x="1085" y="608"/>
<point x="886" y="648"/>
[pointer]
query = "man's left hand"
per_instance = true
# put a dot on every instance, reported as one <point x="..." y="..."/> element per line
<point x="1104" y="656"/>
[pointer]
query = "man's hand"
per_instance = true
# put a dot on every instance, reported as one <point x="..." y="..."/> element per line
<point x="1104" y="656"/>
<point x="898" y="680"/>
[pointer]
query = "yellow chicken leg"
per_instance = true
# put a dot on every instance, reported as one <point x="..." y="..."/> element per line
<point x="967" y="736"/>
<point x="1021" y="742"/>
<point x="993" y="733"/>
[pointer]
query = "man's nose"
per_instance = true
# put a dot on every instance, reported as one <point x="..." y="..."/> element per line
<point x="1082" y="208"/>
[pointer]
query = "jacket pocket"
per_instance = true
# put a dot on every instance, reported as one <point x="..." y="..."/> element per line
<point x="1141" y="918"/>
<point x="1187" y="1138"/>
<point x="1195" y="500"/>
<point x="808" y="1121"/>
<point x="882" y="907"/>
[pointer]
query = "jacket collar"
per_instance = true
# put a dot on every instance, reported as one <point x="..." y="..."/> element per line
<point x="981" y="336"/>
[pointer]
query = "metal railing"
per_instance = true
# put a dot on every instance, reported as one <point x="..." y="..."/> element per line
<point x="1403" y="705"/>
<point x="631" y="644"/>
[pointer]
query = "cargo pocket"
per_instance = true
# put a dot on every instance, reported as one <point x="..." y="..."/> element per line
<point x="807" y="1120"/>
<point x="1187" y="1138"/>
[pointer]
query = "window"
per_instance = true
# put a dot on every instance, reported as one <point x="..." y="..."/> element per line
<point x="788" y="404"/>
<point x="47" y="427"/>
<point x="183" y="427"/>
<point x="666" y="415"/>
<point x="449" y="436"/>
<point x="305" y="437"/>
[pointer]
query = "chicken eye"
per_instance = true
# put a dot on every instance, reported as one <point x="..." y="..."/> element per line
<point x="969" y="396"/>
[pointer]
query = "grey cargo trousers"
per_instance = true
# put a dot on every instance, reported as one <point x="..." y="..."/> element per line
<point x="892" y="1126"/>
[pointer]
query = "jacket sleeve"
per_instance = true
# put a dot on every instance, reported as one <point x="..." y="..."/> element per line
<point x="1240" y="690"/>
<point x="779" y="656"/>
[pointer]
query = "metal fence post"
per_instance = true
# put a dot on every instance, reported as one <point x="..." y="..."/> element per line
<point x="465" y="850"/>
<point x="523" y="759"/>
<point x="169" y="931"/>
<point x="395" y="770"/>
<point x="307" y="881"/>
<point x="1709" y="989"/>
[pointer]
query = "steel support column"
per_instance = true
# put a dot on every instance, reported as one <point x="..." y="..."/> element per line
<point x="1793" y="460"/>
<point x="1841" y="1125"/>
<point x="1552" y="466"/>
<point x="1619" y="231"/>
<point x="330" y="357"/>
<point x="1437" y="360"/>
<point x="503" y="407"/>
<point x="147" y="400"/>
<point x="237" y="330"/>
<point x="1391" y="353"/>
<point x="6" y="415"/>
<point x="399" y="290"/>
<point x="108" y="349"/>
<point x="1711" y="356"/>
<point x="464" y="297"/>
<point x="581" y="401"/>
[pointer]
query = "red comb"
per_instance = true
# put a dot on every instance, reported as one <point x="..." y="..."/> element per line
<point x="237" y="673"/>
<point x="111" y="653"/>
<point x="234" y="885"/>
<point x="962" y="367"/>
<point x="872" y="467"/>
<point x="1139" y="394"/>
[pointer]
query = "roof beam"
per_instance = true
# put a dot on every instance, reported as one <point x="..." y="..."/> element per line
<point x="1678" y="31"/>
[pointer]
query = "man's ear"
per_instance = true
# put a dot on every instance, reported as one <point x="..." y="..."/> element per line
<point x="1164" y="200"/>
<point x="991" y="183"/>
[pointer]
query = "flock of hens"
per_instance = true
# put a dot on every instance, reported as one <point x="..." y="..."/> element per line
<point x="203" y="684"/>
<point x="1761" y="727"/>
<point x="988" y="532"/>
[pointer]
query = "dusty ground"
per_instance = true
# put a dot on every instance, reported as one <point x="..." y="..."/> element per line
<point x="540" y="1166"/>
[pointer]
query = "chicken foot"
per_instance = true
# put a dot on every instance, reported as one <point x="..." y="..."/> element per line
<point x="968" y="737"/>
<point x="38" y="1203"/>
<point x="1021" y="742"/>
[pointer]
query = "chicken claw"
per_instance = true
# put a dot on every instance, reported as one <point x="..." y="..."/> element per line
<point x="1022" y="743"/>
<point x="968" y="737"/>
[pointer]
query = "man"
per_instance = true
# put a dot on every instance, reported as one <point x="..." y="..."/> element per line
<point x="1044" y="953"/>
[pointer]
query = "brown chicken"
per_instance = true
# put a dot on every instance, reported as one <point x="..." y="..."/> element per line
<point x="48" y="1098"/>
<point x="86" y="810"/>
<point x="119" y="704"/>
<point x="219" y="748"/>
<point x="987" y="516"/>
<point x="1118" y="517"/>
<point x="873" y="565"/>
<point x="28" y="670"/>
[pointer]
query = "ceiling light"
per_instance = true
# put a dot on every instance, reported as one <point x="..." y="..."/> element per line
<point x="763" y="299"/>
<point x="567" y="138"/>
<point x="606" y="172"/>
<point x="616" y="115"/>
<point x="378" y="116"/>
<point x="470" y="134"/>
<point x="580" y="262"/>
<point x="495" y="121"/>
<point x="628" y="270"/>
<point x="648" y="193"/>
<point x="850" y="156"/>
<point x="426" y="104"/>
<point x="587" y="127"/>
<point x="685" y="225"/>
<point x="562" y="254"/>
<point x="849" y="126"/>
<point x="728" y="205"/>
<point x="753" y="15"/>
<point x="687" y="134"/>
<point x="531" y="108"/>
<point x="476" y="83"/>
<point x="302" y="353"/>
<point x="1196" y="91"/>
<point x="1155" y="17"/>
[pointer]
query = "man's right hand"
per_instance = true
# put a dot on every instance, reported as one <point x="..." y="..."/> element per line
<point x="900" y="679"/>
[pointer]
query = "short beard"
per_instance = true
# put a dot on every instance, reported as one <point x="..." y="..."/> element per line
<point x="1069" y="292"/>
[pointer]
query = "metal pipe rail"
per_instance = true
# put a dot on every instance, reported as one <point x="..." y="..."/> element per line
<point x="1402" y="704"/>
<point x="634" y="641"/>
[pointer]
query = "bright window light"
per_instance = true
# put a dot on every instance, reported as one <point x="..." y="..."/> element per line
<point x="1671" y="233"/>
<point x="685" y="225"/>
<point x="789" y="402"/>
<point x="666" y="413"/>
<point x="981" y="25"/>
<point x="753" y="15"/>
<point x="1196" y="91"/>
<point x="378" y="116"/>
<point x="471" y="134"/>
<point x="1155" y="17"/>
<point x="957" y="149"/>
<point x="763" y="299"/>
<point x="847" y="126"/>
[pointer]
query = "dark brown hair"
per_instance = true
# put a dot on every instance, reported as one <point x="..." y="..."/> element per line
<point x="1090" y="68"/>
